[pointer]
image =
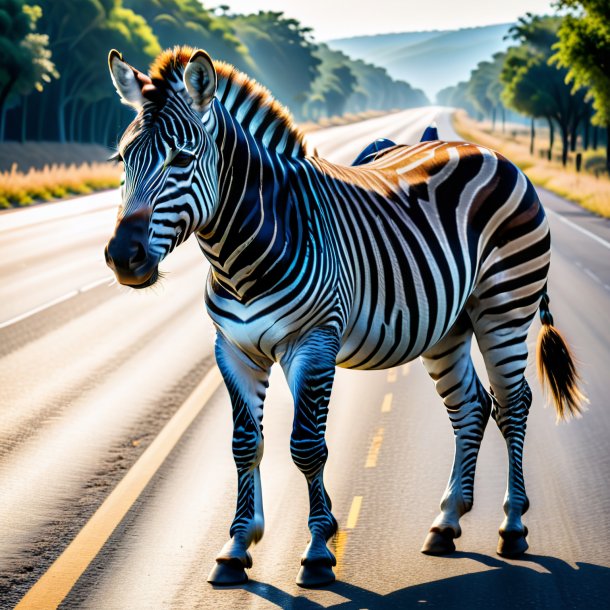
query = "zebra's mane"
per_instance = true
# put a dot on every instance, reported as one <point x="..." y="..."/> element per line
<point x="249" y="102"/>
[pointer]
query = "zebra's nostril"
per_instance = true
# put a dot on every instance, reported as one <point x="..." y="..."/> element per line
<point x="139" y="256"/>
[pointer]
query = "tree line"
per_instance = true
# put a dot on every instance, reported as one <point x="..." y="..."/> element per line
<point x="54" y="83"/>
<point x="557" y="70"/>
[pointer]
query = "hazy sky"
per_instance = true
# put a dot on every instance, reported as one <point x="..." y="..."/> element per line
<point x="339" y="19"/>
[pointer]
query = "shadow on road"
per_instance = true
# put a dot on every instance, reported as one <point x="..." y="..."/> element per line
<point x="505" y="585"/>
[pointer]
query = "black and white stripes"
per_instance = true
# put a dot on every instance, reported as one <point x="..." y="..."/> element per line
<point x="315" y="264"/>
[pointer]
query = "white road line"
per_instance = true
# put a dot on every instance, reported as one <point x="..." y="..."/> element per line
<point x="57" y="301"/>
<point x="597" y="238"/>
<point x="55" y="584"/>
<point x="592" y="276"/>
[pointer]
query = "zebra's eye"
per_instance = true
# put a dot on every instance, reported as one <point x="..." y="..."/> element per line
<point x="182" y="159"/>
<point x="116" y="158"/>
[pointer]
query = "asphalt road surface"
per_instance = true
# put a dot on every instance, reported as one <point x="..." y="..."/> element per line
<point x="118" y="485"/>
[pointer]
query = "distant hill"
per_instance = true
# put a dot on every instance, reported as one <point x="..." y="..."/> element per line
<point x="428" y="60"/>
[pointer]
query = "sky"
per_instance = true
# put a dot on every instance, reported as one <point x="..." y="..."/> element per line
<point x="340" y="19"/>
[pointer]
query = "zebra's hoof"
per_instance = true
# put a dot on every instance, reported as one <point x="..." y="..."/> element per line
<point x="315" y="574"/>
<point x="226" y="573"/>
<point x="512" y="544"/>
<point x="439" y="542"/>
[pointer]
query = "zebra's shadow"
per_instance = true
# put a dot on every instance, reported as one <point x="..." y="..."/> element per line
<point x="507" y="585"/>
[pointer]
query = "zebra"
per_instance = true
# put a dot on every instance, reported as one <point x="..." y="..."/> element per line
<point x="314" y="265"/>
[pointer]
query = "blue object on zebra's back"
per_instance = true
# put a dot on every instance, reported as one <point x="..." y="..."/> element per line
<point x="430" y="134"/>
<point x="369" y="153"/>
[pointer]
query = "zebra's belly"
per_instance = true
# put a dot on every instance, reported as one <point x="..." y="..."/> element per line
<point x="379" y="345"/>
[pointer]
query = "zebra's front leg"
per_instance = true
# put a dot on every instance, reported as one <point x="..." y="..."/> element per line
<point x="310" y="370"/>
<point x="247" y="382"/>
<point x="468" y="405"/>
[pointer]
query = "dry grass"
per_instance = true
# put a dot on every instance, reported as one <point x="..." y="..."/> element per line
<point x="55" y="182"/>
<point x="344" y="119"/>
<point x="583" y="188"/>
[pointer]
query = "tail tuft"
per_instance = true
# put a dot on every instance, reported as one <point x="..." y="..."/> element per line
<point x="556" y="367"/>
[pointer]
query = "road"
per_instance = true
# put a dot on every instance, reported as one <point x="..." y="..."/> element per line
<point x="92" y="372"/>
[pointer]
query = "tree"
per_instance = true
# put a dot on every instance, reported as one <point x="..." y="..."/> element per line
<point x="81" y="33"/>
<point x="583" y="50"/>
<point x="536" y="88"/>
<point x="187" y="22"/>
<point x="283" y="53"/>
<point x="456" y="96"/>
<point x="25" y="60"/>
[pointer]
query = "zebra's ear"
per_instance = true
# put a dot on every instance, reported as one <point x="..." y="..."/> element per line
<point x="125" y="79"/>
<point x="200" y="80"/>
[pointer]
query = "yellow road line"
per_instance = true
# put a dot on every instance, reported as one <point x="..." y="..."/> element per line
<point x="392" y="375"/>
<point x="354" y="512"/>
<point x="53" y="586"/>
<point x="371" y="458"/>
<point x="341" y="536"/>
<point x="339" y="542"/>
<point x="386" y="405"/>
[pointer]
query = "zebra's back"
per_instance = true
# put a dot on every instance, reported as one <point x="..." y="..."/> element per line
<point x="420" y="229"/>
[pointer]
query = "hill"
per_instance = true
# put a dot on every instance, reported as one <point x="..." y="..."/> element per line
<point x="428" y="60"/>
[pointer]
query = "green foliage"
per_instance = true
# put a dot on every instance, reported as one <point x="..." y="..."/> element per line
<point x="178" y="22"/>
<point x="457" y="96"/>
<point x="283" y="54"/>
<point x="534" y="86"/>
<point x="354" y="85"/>
<point x="583" y="50"/>
<point x="25" y="60"/>
<point x="62" y="45"/>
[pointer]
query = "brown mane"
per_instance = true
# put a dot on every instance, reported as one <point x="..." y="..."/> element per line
<point x="169" y="65"/>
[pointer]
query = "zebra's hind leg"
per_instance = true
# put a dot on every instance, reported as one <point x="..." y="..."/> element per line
<point x="247" y="383"/>
<point x="309" y="367"/>
<point x="468" y="405"/>
<point x="504" y="348"/>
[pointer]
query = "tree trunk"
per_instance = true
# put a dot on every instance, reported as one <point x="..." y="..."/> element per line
<point x="595" y="137"/>
<point x="3" y="97"/>
<point x="574" y="135"/>
<point x="551" y="137"/>
<point x="92" y="122"/>
<point x="608" y="148"/>
<point x="532" y="136"/>
<point x="24" y="115"/>
<point x="586" y="133"/>
<point x="2" y="118"/>
<point x="565" y="144"/>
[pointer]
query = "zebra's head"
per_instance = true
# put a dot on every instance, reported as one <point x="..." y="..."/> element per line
<point x="170" y="186"/>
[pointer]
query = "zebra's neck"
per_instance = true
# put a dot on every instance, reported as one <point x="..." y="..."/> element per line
<point x="258" y="112"/>
<point x="255" y="231"/>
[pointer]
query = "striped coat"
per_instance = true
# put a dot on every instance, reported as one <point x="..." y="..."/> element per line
<point x="315" y="264"/>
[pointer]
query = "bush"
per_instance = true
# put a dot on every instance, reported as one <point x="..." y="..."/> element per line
<point x="55" y="182"/>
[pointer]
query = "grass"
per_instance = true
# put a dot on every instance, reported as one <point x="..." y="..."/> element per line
<point x="19" y="189"/>
<point x="588" y="190"/>
<point x="58" y="181"/>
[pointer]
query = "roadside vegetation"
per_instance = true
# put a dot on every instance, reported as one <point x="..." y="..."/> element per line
<point x="590" y="188"/>
<point x="556" y="75"/>
<point x="19" y="189"/>
<point x="58" y="181"/>
<point x="54" y="83"/>
<point x="555" y="78"/>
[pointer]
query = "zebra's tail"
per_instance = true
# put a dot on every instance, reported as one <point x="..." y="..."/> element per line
<point x="556" y="368"/>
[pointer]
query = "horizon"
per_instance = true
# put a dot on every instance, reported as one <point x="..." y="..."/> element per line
<point x="329" y="21"/>
<point x="422" y="31"/>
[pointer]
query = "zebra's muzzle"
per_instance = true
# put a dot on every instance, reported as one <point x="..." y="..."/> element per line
<point x="127" y="253"/>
